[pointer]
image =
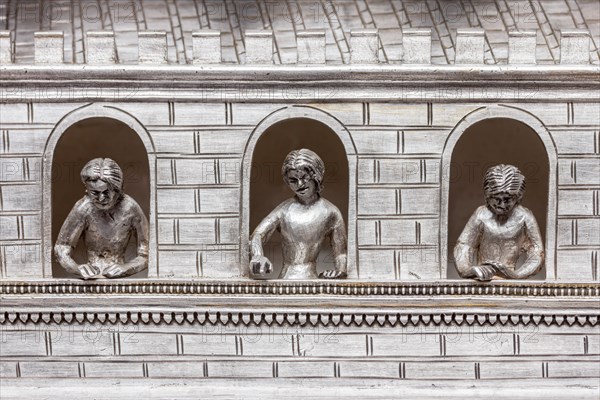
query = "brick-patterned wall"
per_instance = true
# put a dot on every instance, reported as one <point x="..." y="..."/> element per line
<point x="400" y="148"/>
<point x="24" y="134"/>
<point x="189" y="351"/>
<point x="575" y="129"/>
<point x="199" y="149"/>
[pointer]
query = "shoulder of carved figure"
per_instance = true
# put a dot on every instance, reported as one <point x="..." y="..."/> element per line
<point x="482" y="212"/>
<point x="129" y="203"/>
<point x="83" y="207"/>
<point x="132" y="209"/>
<point x="526" y="213"/>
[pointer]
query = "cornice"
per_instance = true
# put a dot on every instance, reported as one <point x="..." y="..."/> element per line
<point x="299" y="84"/>
<point x="203" y="75"/>
<point x="534" y="289"/>
<point x="299" y="303"/>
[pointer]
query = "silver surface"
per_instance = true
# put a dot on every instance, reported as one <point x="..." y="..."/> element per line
<point x="179" y="18"/>
<point x="305" y="222"/>
<point x="399" y="327"/>
<point x="107" y="219"/>
<point x="498" y="233"/>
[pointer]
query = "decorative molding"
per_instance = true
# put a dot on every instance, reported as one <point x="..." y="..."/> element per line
<point x="298" y="83"/>
<point x="277" y="73"/>
<point x="300" y="288"/>
<point x="418" y="92"/>
<point x="389" y="319"/>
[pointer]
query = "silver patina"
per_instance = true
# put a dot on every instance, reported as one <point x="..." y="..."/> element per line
<point x="305" y="222"/>
<point x="402" y="89"/>
<point x="107" y="218"/>
<point x="495" y="236"/>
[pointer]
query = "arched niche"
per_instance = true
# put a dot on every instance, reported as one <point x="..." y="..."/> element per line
<point x="263" y="187"/>
<point x="87" y="133"/>
<point x="491" y="136"/>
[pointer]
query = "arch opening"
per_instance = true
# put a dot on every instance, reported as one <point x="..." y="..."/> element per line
<point x="489" y="142"/>
<point x="79" y="143"/>
<point x="267" y="188"/>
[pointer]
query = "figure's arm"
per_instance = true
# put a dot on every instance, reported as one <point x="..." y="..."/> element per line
<point x="533" y="247"/>
<point x="140" y="262"/>
<point x="259" y="264"/>
<point x="465" y="251"/>
<point x="339" y="245"/>
<point x="69" y="235"/>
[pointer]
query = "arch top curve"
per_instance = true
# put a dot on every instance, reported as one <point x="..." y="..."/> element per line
<point x="98" y="110"/>
<point x="300" y="111"/>
<point x="501" y="111"/>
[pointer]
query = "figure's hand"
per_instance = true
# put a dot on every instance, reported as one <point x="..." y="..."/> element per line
<point x="505" y="272"/>
<point x="114" y="271"/>
<point x="88" y="271"/>
<point x="332" y="274"/>
<point x="260" y="265"/>
<point x="484" y="272"/>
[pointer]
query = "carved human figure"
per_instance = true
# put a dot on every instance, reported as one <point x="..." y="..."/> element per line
<point x="107" y="218"/>
<point x="498" y="233"/>
<point x="305" y="222"/>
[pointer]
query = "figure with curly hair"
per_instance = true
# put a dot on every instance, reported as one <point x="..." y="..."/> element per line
<point x="498" y="233"/>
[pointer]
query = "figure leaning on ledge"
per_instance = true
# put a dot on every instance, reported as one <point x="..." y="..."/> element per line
<point x="494" y="238"/>
<point x="304" y="221"/>
<point x="107" y="218"/>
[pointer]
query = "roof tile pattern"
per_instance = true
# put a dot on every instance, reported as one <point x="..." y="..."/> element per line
<point x="179" y="18"/>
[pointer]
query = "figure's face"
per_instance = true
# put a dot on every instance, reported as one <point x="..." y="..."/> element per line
<point x="502" y="203"/>
<point x="101" y="194"/>
<point x="301" y="183"/>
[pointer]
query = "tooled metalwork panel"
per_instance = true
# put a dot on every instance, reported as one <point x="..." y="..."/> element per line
<point x="301" y="303"/>
<point x="285" y="18"/>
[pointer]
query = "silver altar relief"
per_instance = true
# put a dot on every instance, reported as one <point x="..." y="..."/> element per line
<point x="407" y="103"/>
<point x="497" y="233"/>
<point x="305" y="222"/>
<point x="107" y="219"/>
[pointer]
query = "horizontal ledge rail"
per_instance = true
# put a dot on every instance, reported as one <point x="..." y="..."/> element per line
<point x="203" y="74"/>
<point x="286" y="287"/>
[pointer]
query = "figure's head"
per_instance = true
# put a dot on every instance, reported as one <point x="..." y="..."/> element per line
<point x="504" y="186"/>
<point x="103" y="180"/>
<point x="303" y="171"/>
